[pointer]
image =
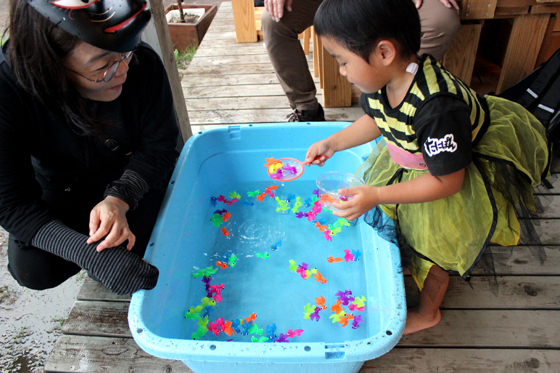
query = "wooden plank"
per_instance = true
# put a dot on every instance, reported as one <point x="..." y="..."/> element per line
<point x="461" y="55"/>
<point x="490" y="329"/>
<point x="230" y="60"/>
<point x="337" y="90"/>
<point x="96" y="291"/>
<point x="550" y="205"/>
<point x="246" y="50"/>
<point x="210" y="35"/>
<point x="98" y="354"/>
<point x="463" y="360"/>
<point x="244" y="17"/>
<point x="524" y="260"/>
<point x="191" y="81"/>
<point x="250" y="68"/>
<point x="548" y="231"/>
<point x="251" y="90"/>
<point x="209" y="117"/>
<point x="555" y="181"/>
<point x="101" y="319"/>
<point x="219" y="103"/>
<point x="477" y="9"/>
<point x="512" y="293"/>
<point x="523" y="48"/>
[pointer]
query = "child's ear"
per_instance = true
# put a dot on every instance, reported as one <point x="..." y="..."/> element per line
<point x="387" y="51"/>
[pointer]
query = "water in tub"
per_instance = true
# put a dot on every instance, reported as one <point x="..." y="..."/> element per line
<point x="276" y="259"/>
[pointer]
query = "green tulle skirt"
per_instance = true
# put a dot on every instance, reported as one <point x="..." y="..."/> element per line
<point x="509" y="160"/>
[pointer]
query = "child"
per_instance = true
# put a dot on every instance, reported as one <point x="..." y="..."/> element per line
<point x="455" y="164"/>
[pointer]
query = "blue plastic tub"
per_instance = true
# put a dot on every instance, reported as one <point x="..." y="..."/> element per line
<point x="264" y="236"/>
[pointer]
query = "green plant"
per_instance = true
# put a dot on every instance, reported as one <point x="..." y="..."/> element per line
<point x="184" y="57"/>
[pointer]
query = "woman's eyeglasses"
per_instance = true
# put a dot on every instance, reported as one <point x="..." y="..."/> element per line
<point x="110" y="72"/>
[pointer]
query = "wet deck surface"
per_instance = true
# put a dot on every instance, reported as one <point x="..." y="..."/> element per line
<point x="515" y="330"/>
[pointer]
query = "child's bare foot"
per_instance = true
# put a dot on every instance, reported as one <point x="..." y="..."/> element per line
<point x="416" y="321"/>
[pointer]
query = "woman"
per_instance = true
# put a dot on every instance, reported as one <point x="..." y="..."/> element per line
<point x="87" y="137"/>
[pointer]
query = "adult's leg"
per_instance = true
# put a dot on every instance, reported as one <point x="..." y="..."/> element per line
<point x="286" y="53"/>
<point x="427" y="314"/>
<point x="439" y="26"/>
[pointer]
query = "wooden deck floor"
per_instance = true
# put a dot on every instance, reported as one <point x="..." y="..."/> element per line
<point x="516" y="330"/>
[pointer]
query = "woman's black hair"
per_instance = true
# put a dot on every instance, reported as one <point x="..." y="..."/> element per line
<point x="35" y="51"/>
<point x="358" y="25"/>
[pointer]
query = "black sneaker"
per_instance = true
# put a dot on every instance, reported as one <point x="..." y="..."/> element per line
<point x="317" y="115"/>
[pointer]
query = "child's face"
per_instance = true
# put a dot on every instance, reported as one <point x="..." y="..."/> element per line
<point x="369" y="77"/>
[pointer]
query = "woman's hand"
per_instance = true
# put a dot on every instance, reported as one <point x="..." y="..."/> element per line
<point x="322" y="149"/>
<point x="447" y="3"/>
<point x="365" y="197"/>
<point x="108" y="218"/>
<point x="276" y="8"/>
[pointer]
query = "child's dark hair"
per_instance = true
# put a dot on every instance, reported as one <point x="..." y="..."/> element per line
<point x="359" y="25"/>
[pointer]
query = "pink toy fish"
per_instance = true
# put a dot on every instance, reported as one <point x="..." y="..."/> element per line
<point x="291" y="333"/>
<point x="348" y="256"/>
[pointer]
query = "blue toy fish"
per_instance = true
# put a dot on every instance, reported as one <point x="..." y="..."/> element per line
<point x="276" y="245"/>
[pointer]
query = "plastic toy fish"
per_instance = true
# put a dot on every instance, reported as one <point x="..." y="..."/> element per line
<point x="311" y="215"/>
<point x="294" y="333"/>
<point x="206" y="311"/>
<point x="291" y="196"/>
<point x="289" y="168"/>
<point x="222" y="265"/>
<point x="234" y="195"/>
<point x="282" y="338"/>
<point x="264" y="256"/>
<point x="344" y="198"/>
<point x="319" y="277"/>
<point x="220" y="212"/>
<point x="217" y="220"/>
<point x="253" y="194"/>
<point x="297" y="205"/>
<point x="308" y="202"/>
<point x="276" y="246"/>
<point x="317" y="192"/>
<point x="272" y="187"/>
<point x="235" y="325"/>
<point x="260" y="339"/>
<point x="299" y="215"/>
<point x="276" y="175"/>
<point x="293" y="266"/>
<point x="225" y="232"/>
<point x="245" y="327"/>
<point x="271" y="162"/>
<point x="356" y="322"/>
<point x="309" y="309"/>
<point x="320" y="301"/>
<point x="357" y="254"/>
<point x="337" y="308"/>
<point x="205" y="272"/>
<point x="222" y="198"/>
<point x="358" y="304"/>
<point x="321" y="227"/>
<point x="200" y="332"/>
<point x="317" y="207"/>
<point x="207" y="280"/>
<point x="269" y="192"/>
<point x="254" y="329"/>
<point x="228" y="329"/>
<point x="226" y="216"/>
<point x="247" y="203"/>
<point x="309" y="273"/>
<point x="216" y="327"/>
<point x="348" y="256"/>
<point x="344" y="222"/>
<point x="260" y="197"/>
<point x="344" y="319"/>
<point x="213" y="201"/>
<point x="208" y="302"/>
<point x="328" y="235"/>
<point x="192" y="315"/>
<point x="270" y="330"/>
<point x="336" y="231"/>
<point x="315" y="315"/>
<point x="232" y="260"/>
<point x="231" y="202"/>
<point x="345" y="297"/>
<point x="282" y="205"/>
<point x="336" y="316"/>
<point x="251" y="317"/>
<point x="330" y="259"/>
<point x="301" y="269"/>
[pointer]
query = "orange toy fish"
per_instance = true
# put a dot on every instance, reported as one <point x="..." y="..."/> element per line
<point x="251" y="317"/>
<point x="260" y="197"/>
<point x="228" y="330"/>
<point x="321" y="227"/>
<point x="321" y="302"/>
<point x="344" y="319"/>
<point x="330" y="259"/>
<point x="226" y="216"/>
<point x="337" y="308"/>
<point x="319" y="277"/>
<point x="222" y="265"/>
<point x="225" y="231"/>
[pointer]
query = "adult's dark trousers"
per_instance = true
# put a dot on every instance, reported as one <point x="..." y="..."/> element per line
<point x="38" y="269"/>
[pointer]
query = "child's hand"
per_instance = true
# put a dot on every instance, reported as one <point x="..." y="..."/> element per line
<point x="321" y="149"/>
<point x="364" y="199"/>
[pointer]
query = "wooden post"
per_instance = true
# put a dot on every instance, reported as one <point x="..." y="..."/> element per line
<point x="157" y="35"/>
<point x="337" y="90"/>
<point x="244" y="19"/>
<point x="461" y="55"/>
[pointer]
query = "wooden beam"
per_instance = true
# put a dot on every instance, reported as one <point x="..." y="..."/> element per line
<point x="157" y="34"/>
<point x="244" y="18"/>
<point x="461" y="55"/>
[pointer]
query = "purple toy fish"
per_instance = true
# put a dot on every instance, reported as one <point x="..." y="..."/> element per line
<point x="356" y="322"/>
<point x="315" y="315"/>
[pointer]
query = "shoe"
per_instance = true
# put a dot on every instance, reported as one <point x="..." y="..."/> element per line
<point x="317" y="115"/>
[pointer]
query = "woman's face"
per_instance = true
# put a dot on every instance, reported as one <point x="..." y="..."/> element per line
<point x="85" y="64"/>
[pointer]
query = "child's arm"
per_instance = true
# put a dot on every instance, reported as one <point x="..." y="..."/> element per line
<point x="361" y="131"/>
<point x="424" y="188"/>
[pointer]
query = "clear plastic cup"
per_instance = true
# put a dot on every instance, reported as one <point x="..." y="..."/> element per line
<point x="330" y="182"/>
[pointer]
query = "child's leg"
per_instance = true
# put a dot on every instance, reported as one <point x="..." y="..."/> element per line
<point x="426" y="314"/>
